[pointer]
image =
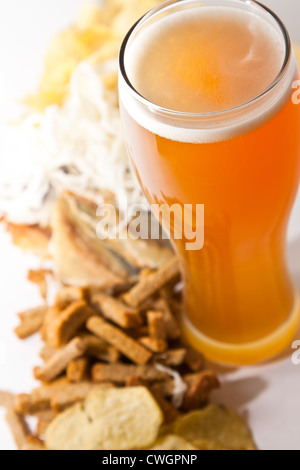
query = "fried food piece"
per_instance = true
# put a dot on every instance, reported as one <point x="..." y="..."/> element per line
<point x="172" y="328"/>
<point x="169" y="411"/>
<point x="45" y="416"/>
<point x="31" y="238"/>
<point x="41" y="427"/>
<point x="117" y="311"/>
<point x="154" y="344"/>
<point x="78" y="370"/>
<point x="76" y="260"/>
<point x="38" y="402"/>
<point x="33" y="443"/>
<point x="98" y="349"/>
<point x="6" y="399"/>
<point x="71" y="394"/>
<point x="60" y="361"/>
<point x="134" y="381"/>
<point x="199" y="390"/>
<point x="120" y="340"/>
<point x="172" y="357"/>
<point x="205" y="381"/>
<point x="140" y="332"/>
<point x="120" y="373"/>
<point x="25" y="404"/>
<point x="47" y="352"/>
<point x="31" y="322"/>
<point x="194" y="360"/>
<point x="69" y="295"/>
<point x="51" y="317"/>
<point x="39" y="277"/>
<point x="45" y="391"/>
<point x="66" y="324"/>
<point x="222" y="426"/>
<point x="156" y="324"/>
<point x="121" y="419"/>
<point x="150" y="284"/>
<point x="44" y="419"/>
<point x="18" y="427"/>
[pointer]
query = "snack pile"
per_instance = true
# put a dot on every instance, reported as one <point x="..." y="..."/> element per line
<point x="116" y="374"/>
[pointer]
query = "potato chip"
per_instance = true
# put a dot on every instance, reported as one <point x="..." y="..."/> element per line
<point x="205" y="444"/>
<point x="166" y="429"/>
<point x="91" y="15"/>
<point x="121" y="419"/>
<point x="172" y="442"/>
<point x="96" y="36"/>
<point x="130" y="12"/>
<point x="65" y="46"/>
<point x="64" y="54"/>
<point x="93" y="38"/>
<point x="215" y="424"/>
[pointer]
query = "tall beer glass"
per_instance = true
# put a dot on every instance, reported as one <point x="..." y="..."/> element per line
<point x="210" y="120"/>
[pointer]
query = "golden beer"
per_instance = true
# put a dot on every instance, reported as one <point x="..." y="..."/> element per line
<point x="206" y="99"/>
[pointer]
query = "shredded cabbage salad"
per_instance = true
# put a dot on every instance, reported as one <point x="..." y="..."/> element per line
<point x="78" y="147"/>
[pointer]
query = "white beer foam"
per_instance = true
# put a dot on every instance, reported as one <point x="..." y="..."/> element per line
<point x="205" y="129"/>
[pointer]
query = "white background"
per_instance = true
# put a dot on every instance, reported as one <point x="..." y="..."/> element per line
<point x="268" y="395"/>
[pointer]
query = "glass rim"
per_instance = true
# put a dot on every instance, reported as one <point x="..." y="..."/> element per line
<point x="181" y="114"/>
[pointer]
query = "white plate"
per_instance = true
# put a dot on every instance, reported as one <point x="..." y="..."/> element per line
<point x="268" y="395"/>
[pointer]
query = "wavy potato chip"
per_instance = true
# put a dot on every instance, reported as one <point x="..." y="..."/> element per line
<point x="216" y="427"/>
<point x="205" y="444"/>
<point x="96" y="36"/>
<point x="65" y="53"/>
<point x="130" y="12"/>
<point x="172" y="442"/>
<point x="91" y="15"/>
<point x="115" y="419"/>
